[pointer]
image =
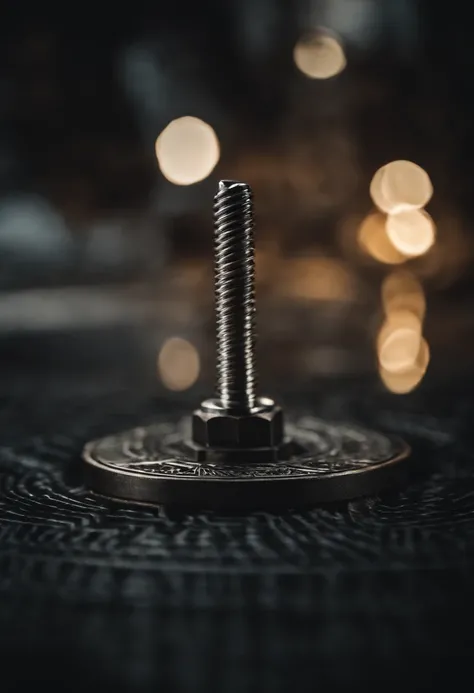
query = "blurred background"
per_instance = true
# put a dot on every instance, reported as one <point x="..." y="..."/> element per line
<point x="351" y="119"/>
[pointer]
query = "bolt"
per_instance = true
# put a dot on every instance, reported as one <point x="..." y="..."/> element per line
<point x="236" y="418"/>
<point x="235" y="295"/>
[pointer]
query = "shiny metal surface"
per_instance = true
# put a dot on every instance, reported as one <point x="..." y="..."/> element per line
<point x="332" y="462"/>
<point x="235" y="295"/>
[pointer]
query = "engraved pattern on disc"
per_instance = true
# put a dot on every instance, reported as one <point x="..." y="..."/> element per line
<point x="330" y="449"/>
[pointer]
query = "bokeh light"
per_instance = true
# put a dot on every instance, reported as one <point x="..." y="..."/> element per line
<point x="401" y="290"/>
<point x="403" y="381"/>
<point x="399" y="347"/>
<point x="402" y="351"/>
<point x="372" y="238"/>
<point x="319" y="55"/>
<point x="401" y="186"/>
<point x="178" y="364"/>
<point x="401" y="318"/>
<point x="412" y="232"/>
<point x="187" y="150"/>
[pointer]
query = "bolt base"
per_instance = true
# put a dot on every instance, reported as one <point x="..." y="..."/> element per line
<point x="323" y="463"/>
<point x="250" y="456"/>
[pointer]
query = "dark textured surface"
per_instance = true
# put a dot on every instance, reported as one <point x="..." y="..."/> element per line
<point x="378" y="591"/>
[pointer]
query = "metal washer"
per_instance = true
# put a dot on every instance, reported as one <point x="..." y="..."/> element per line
<point x="151" y="465"/>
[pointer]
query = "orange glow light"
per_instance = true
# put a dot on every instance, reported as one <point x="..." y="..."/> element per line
<point x="373" y="239"/>
<point x="412" y="232"/>
<point x="399" y="349"/>
<point x="404" y="381"/>
<point x="399" y="319"/>
<point x="401" y="290"/>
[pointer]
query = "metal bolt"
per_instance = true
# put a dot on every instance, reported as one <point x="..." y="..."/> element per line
<point x="235" y="296"/>
<point x="236" y="418"/>
<point x="238" y="455"/>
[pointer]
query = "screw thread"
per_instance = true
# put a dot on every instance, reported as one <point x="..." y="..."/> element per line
<point x="235" y="295"/>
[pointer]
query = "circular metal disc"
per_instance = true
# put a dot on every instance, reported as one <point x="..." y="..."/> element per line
<point x="334" y="462"/>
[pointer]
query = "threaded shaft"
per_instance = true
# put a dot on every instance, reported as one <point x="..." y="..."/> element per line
<point x="235" y="295"/>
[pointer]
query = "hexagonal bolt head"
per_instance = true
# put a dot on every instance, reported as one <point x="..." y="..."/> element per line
<point x="219" y="430"/>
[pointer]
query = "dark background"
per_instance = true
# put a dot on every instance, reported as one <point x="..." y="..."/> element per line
<point x="102" y="260"/>
<point x="84" y="97"/>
